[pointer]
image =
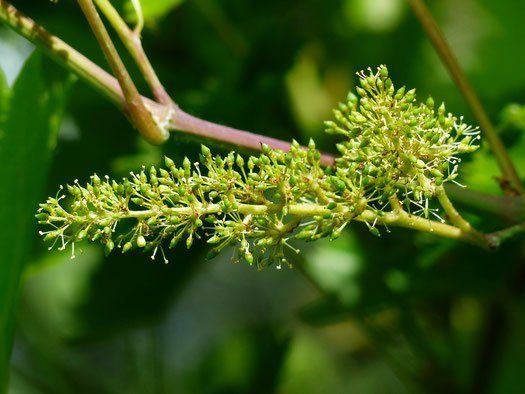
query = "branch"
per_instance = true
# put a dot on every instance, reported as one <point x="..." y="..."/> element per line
<point x="497" y="238"/>
<point x="95" y="76"/>
<point x="447" y="56"/>
<point x="454" y="216"/>
<point x="62" y="53"/>
<point x="406" y="220"/>
<point x="511" y="208"/>
<point x="224" y="134"/>
<point x="134" y="105"/>
<point x="132" y="42"/>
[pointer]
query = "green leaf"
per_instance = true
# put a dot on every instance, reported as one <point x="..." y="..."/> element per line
<point x="4" y="97"/>
<point x="337" y="267"/>
<point x="513" y="115"/>
<point x="27" y="139"/>
<point x="482" y="171"/>
<point x="152" y="10"/>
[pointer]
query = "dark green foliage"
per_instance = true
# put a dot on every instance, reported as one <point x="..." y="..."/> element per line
<point x="30" y="115"/>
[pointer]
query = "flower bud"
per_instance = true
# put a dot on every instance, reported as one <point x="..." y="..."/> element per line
<point x="141" y="241"/>
<point x="205" y="151"/>
<point x="109" y="247"/>
<point x="127" y="247"/>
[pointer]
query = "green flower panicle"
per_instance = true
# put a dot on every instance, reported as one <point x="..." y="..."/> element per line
<point x="257" y="205"/>
<point x="395" y="157"/>
<point x="395" y="145"/>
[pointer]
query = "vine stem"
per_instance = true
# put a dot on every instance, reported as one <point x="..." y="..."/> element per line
<point x="192" y="125"/>
<point x="437" y="38"/>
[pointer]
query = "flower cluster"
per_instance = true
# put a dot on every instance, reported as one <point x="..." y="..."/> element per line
<point x="395" y="146"/>
<point x="394" y="151"/>
<point x="257" y="205"/>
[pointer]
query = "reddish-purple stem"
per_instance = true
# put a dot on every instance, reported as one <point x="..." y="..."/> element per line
<point x="192" y="125"/>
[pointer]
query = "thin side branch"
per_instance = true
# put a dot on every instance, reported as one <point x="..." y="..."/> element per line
<point x="140" y="17"/>
<point x="135" y="107"/>
<point x="447" y="56"/>
<point x="132" y="42"/>
<point x="497" y="238"/>
<point x="510" y="208"/>
<point x="454" y="216"/>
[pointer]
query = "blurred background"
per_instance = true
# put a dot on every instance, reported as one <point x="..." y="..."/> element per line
<point x="406" y="312"/>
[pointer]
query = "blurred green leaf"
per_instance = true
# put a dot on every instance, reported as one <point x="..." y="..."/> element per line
<point x="337" y="266"/>
<point x="27" y="138"/>
<point x="374" y="15"/>
<point x="152" y="10"/>
<point x="251" y="361"/>
<point x="58" y="284"/>
<point x="497" y="69"/>
<point x="482" y="171"/>
<point x="513" y="115"/>
<point x="4" y="97"/>
<point x="145" y="292"/>
<point x="310" y="368"/>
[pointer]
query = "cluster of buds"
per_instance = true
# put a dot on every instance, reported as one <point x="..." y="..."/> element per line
<point x="395" y="146"/>
<point x="394" y="150"/>
<point x="256" y="205"/>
